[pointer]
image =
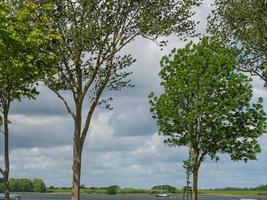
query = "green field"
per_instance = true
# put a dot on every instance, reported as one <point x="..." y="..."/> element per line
<point x="178" y="191"/>
<point x="234" y="192"/>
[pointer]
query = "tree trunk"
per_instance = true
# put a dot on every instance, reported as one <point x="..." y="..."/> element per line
<point x="76" y="170"/>
<point x="195" y="184"/>
<point x="6" y="153"/>
<point x="77" y="154"/>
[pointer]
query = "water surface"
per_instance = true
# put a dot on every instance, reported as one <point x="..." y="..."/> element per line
<point x="116" y="197"/>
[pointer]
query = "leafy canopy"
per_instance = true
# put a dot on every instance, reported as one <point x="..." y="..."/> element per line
<point x="243" y="23"/>
<point x="93" y="35"/>
<point x="93" y="32"/>
<point x="206" y="103"/>
<point x="27" y="47"/>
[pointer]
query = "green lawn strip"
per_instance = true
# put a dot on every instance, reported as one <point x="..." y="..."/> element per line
<point x="233" y="192"/>
<point x="149" y="191"/>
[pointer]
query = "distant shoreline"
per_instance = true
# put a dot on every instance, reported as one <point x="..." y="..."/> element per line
<point x="85" y="191"/>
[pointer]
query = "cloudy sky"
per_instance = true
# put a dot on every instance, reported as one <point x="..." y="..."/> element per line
<point x="123" y="146"/>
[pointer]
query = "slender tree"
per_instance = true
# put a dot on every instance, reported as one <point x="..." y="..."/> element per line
<point x="25" y="57"/>
<point x="94" y="33"/>
<point x="206" y="105"/>
<point x="243" y="24"/>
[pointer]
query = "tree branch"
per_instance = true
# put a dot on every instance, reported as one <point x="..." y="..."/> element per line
<point x="2" y="172"/>
<point x="202" y="157"/>
<point x="116" y="40"/>
<point x="65" y="102"/>
<point x="99" y="62"/>
<point x="95" y="101"/>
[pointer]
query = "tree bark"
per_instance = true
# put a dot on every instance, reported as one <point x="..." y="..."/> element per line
<point x="76" y="170"/>
<point x="195" y="184"/>
<point x="77" y="153"/>
<point x="6" y="152"/>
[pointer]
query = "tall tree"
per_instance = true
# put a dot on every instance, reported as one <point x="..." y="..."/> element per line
<point x="38" y="185"/>
<point x="243" y="23"/>
<point x="94" y="33"/>
<point x="26" y="56"/>
<point x="206" y="105"/>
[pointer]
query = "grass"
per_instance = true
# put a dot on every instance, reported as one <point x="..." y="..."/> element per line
<point x="149" y="191"/>
<point x="234" y="192"/>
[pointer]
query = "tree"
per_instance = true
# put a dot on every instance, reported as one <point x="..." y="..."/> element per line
<point x="26" y="56"/>
<point x="21" y="185"/>
<point x="93" y="35"/>
<point x="206" y="105"/>
<point x="1" y="185"/>
<point x="39" y="185"/>
<point x="169" y="188"/>
<point x="243" y="24"/>
<point x="113" y="189"/>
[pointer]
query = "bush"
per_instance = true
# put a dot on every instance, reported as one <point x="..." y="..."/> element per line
<point x="26" y="185"/>
<point x="171" y="189"/>
<point x="20" y="185"/>
<point x="113" y="189"/>
<point x="39" y="185"/>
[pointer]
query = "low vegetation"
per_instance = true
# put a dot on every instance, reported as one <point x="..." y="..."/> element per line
<point x="25" y="185"/>
<point x="113" y="189"/>
<point x="37" y="185"/>
<point x="228" y="191"/>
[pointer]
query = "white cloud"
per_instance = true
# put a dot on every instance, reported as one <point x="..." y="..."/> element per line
<point x="122" y="145"/>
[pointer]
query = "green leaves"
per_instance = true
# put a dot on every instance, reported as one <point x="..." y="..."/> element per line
<point x="206" y="102"/>
<point x="94" y="33"/>
<point x="27" y="42"/>
<point x="243" y="24"/>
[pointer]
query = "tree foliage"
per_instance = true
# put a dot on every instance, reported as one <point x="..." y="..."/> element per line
<point x="94" y="32"/>
<point x="243" y="23"/>
<point x="27" y="55"/>
<point x="1" y="185"/>
<point x="169" y="188"/>
<point x="38" y="185"/>
<point x="206" y="104"/>
<point x="21" y="185"/>
<point x="91" y="61"/>
<point x="113" y="189"/>
<point x="27" y="185"/>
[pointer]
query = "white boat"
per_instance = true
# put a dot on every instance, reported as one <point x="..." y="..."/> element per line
<point x="12" y="197"/>
<point x="162" y="194"/>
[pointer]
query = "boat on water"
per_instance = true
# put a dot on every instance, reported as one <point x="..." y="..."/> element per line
<point x="12" y="197"/>
<point x="162" y="195"/>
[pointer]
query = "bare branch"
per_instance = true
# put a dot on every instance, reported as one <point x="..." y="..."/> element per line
<point x="95" y="101"/>
<point x="252" y="72"/>
<point x="116" y="40"/>
<point x="99" y="62"/>
<point x="65" y="102"/>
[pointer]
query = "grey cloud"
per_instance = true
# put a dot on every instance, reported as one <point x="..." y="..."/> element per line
<point x="122" y="146"/>
<point x="46" y="103"/>
<point x="133" y="120"/>
<point x="39" y="131"/>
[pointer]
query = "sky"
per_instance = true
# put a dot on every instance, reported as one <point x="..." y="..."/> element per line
<point x="123" y="146"/>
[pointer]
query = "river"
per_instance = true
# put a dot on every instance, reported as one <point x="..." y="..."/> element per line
<point x="116" y="197"/>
